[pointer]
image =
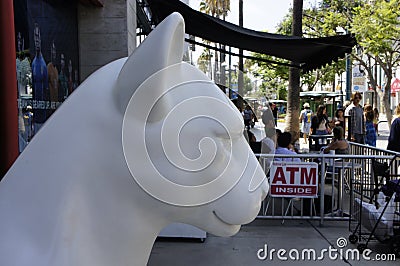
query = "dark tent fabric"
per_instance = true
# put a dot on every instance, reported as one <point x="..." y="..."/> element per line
<point x="308" y="53"/>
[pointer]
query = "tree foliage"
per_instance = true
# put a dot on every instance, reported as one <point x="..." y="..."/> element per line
<point x="377" y="29"/>
<point x="215" y="8"/>
<point x="376" y="26"/>
<point x="313" y="26"/>
<point x="204" y="60"/>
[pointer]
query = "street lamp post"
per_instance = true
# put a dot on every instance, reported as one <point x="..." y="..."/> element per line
<point x="340" y="31"/>
<point x="348" y="77"/>
<point x="341" y="90"/>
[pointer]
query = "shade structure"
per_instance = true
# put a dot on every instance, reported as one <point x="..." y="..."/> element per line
<point x="307" y="53"/>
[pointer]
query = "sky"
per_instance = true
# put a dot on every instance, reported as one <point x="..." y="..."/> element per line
<point x="259" y="15"/>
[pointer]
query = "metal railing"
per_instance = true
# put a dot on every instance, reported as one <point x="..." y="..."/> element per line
<point x="359" y="149"/>
<point x="336" y="175"/>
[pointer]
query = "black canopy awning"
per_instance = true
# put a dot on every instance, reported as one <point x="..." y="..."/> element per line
<point x="308" y="53"/>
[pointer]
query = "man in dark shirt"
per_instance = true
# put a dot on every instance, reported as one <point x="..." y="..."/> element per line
<point x="356" y="113"/>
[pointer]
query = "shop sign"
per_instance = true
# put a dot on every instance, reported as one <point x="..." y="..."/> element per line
<point x="292" y="179"/>
<point x="359" y="80"/>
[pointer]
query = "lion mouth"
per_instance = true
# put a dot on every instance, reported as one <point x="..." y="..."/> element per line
<point x="221" y="220"/>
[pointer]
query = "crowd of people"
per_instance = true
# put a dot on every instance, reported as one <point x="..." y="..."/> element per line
<point x="361" y="127"/>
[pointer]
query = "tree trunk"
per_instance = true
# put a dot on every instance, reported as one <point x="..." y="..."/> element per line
<point x="386" y="101"/>
<point x="387" y="69"/>
<point x="293" y="104"/>
<point x="375" y="85"/>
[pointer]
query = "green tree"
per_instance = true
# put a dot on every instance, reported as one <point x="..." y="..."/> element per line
<point x="313" y="26"/>
<point x="216" y="8"/>
<point x="247" y="82"/>
<point x="376" y="26"/>
<point x="273" y="77"/>
<point x="204" y="61"/>
<point x="219" y="9"/>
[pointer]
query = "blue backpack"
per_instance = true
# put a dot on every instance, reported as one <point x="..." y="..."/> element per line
<point x="307" y="116"/>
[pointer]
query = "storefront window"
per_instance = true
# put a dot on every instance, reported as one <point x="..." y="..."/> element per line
<point x="47" y="61"/>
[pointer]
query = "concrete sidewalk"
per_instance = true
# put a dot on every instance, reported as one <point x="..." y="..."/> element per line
<point x="242" y="248"/>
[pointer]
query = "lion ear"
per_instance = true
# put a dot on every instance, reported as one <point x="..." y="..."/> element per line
<point x="162" y="48"/>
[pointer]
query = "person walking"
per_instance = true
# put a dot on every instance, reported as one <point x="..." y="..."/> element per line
<point x="356" y="113"/>
<point x="394" y="137"/>
<point x="370" y="133"/>
<point x="247" y="116"/>
<point x="305" y="118"/>
<point x="269" y="122"/>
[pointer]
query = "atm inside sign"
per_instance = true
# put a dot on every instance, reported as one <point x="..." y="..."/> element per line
<point x="291" y="179"/>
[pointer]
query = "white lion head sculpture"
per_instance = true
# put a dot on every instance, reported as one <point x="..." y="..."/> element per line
<point x="145" y="141"/>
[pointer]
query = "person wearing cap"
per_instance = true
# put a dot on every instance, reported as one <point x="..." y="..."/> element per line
<point x="305" y="118"/>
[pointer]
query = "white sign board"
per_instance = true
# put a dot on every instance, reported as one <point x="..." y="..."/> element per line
<point x="292" y="179"/>
<point x="359" y="80"/>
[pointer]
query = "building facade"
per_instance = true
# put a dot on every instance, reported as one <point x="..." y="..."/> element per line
<point x="59" y="43"/>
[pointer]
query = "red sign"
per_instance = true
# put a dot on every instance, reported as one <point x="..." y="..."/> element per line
<point x="395" y="85"/>
<point x="291" y="179"/>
